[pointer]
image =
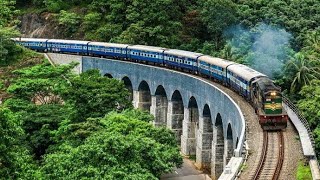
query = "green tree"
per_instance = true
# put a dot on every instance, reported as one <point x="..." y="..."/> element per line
<point x="316" y="134"/>
<point x="217" y="16"/>
<point x="309" y="103"/>
<point x="123" y="147"/>
<point x="301" y="71"/>
<point x="8" y="50"/>
<point x="15" y="161"/>
<point x="41" y="84"/>
<point x="70" y="21"/>
<point x="297" y="17"/>
<point x="94" y="96"/>
<point x="37" y="101"/>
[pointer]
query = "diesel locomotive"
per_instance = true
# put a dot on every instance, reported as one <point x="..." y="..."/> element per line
<point x="252" y="85"/>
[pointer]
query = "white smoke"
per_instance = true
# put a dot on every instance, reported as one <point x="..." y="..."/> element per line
<point x="267" y="47"/>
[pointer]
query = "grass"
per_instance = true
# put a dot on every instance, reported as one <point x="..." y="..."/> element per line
<point x="303" y="172"/>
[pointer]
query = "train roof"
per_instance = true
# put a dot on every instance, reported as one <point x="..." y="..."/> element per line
<point x="267" y="84"/>
<point x="109" y="44"/>
<point x="29" y="39"/>
<point x="177" y="52"/>
<point x="68" y="41"/>
<point x="215" y="61"/>
<point x="147" y="48"/>
<point x="245" y="72"/>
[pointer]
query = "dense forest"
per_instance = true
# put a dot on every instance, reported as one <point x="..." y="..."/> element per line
<point x="280" y="38"/>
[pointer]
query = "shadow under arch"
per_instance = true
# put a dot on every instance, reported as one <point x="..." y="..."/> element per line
<point x="229" y="143"/>
<point x="108" y="75"/>
<point x="160" y="107"/>
<point x="128" y="84"/>
<point x="175" y="115"/>
<point x="144" y="96"/>
<point x="217" y="163"/>
<point x="204" y="148"/>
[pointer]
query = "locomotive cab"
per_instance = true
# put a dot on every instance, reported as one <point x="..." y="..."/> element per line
<point x="267" y="100"/>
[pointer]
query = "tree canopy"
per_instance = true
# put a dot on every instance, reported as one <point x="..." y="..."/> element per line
<point x="57" y="124"/>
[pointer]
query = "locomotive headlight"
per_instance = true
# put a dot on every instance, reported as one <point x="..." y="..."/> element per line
<point x="273" y="93"/>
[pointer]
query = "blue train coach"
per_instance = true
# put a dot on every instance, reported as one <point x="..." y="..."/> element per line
<point x="214" y="67"/>
<point x="146" y="53"/>
<point x="240" y="77"/>
<point x="70" y="46"/>
<point x="108" y="49"/>
<point x="35" y="44"/>
<point x="183" y="59"/>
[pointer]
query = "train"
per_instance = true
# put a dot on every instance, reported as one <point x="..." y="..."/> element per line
<point x="254" y="86"/>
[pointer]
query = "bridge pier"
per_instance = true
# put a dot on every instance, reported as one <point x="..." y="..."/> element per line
<point x="204" y="143"/>
<point x="189" y="131"/>
<point x="159" y="108"/>
<point x="142" y="100"/>
<point x="229" y="145"/>
<point x="142" y="97"/>
<point x="175" y="117"/>
<point x="218" y="154"/>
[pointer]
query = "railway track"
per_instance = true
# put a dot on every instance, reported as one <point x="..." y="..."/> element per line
<point x="271" y="160"/>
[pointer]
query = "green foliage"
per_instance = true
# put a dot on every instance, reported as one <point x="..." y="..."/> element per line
<point x="42" y="83"/>
<point x="8" y="50"/>
<point x="55" y="5"/>
<point x="309" y="102"/>
<point x="93" y="95"/>
<point x="6" y="12"/>
<point x="70" y="21"/>
<point x="301" y="71"/>
<point x="303" y="172"/>
<point x="91" y="21"/>
<point x="14" y="159"/>
<point x="295" y="16"/>
<point x="316" y="135"/>
<point x="123" y="148"/>
<point x="49" y="139"/>
<point x="41" y="122"/>
<point x="219" y="15"/>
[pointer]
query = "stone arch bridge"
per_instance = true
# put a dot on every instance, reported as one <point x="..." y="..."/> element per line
<point x="208" y="124"/>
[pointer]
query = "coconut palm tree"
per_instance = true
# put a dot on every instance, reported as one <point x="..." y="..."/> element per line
<point x="302" y="71"/>
<point x="313" y="40"/>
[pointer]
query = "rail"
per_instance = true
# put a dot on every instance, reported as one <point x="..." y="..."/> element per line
<point x="270" y="164"/>
<point x="263" y="156"/>
<point x="280" y="158"/>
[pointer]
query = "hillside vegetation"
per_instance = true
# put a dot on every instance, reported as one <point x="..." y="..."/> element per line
<point x="58" y="125"/>
<point x="280" y="38"/>
<point x="62" y="137"/>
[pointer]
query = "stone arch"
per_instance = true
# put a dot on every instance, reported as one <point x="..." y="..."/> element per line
<point x="108" y="75"/>
<point x="217" y="159"/>
<point x="144" y="96"/>
<point x="159" y="106"/>
<point x="205" y="137"/>
<point x="229" y="143"/>
<point x="175" y="114"/>
<point x="128" y="84"/>
<point x="190" y="128"/>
